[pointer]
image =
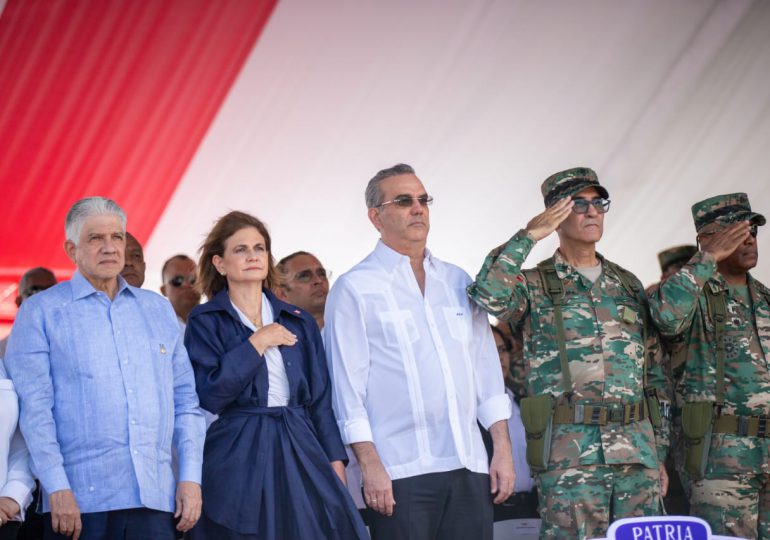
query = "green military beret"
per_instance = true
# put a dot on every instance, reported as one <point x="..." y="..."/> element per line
<point x="726" y="209"/>
<point x="568" y="183"/>
<point x="676" y="255"/>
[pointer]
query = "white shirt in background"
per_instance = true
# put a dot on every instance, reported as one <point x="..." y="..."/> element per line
<point x="16" y="480"/>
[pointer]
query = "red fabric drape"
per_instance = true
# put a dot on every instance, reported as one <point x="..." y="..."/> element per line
<point x="107" y="98"/>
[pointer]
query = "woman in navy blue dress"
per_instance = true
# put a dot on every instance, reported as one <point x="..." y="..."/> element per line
<point x="273" y="465"/>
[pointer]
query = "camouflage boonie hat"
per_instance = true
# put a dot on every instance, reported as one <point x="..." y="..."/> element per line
<point x="727" y="209"/>
<point x="568" y="183"/>
<point x="676" y="255"/>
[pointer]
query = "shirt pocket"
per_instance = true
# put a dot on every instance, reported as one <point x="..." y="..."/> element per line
<point x="398" y="327"/>
<point x="457" y="320"/>
<point x="630" y="316"/>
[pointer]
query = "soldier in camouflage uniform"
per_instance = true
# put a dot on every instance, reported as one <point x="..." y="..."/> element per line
<point x="724" y="315"/>
<point x="605" y="457"/>
<point x="676" y="501"/>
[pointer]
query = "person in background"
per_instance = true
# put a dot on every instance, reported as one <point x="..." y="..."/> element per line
<point x="133" y="271"/>
<point x="674" y="351"/>
<point x="273" y="466"/>
<point x="32" y="282"/>
<point x="304" y="282"/>
<point x="179" y="274"/>
<point x="523" y="482"/>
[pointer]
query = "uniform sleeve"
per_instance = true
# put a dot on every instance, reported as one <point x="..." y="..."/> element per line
<point x="674" y="301"/>
<point x="500" y="289"/>
<point x="220" y="375"/>
<point x="189" y="423"/>
<point x="321" y="412"/>
<point x="492" y="402"/>
<point x="28" y="363"/>
<point x="347" y="355"/>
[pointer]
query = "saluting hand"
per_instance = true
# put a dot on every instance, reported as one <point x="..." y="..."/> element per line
<point x="272" y="335"/>
<point x="546" y="222"/>
<point x="722" y="242"/>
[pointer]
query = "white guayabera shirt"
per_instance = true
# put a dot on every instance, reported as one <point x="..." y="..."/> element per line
<point x="412" y="374"/>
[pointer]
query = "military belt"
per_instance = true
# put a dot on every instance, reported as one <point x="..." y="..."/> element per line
<point x="601" y="415"/>
<point x="743" y="426"/>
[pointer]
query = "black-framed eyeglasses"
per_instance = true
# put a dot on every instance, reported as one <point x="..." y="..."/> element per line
<point x="32" y="289"/>
<point x="600" y="204"/>
<point x="178" y="281"/>
<point x="306" y="276"/>
<point x="753" y="230"/>
<point x="405" y="201"/>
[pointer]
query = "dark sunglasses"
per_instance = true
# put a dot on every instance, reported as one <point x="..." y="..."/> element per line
<point x="405" y="201"/>
<point x="753" y="230"/>
<point x="306" y="276"/>
<point x="581" y="205"/>
<point x="178" y="281"/>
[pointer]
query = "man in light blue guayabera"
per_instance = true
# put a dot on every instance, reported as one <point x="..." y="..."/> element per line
<point x="105" y="387"/>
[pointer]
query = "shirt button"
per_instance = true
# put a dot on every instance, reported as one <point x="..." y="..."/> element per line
<point x="125" y="362"/>
<point x="136" y="452"/>
<point x="130" y="390"/>
<point x="91" y="488"/>
<point x="133" y="422"/>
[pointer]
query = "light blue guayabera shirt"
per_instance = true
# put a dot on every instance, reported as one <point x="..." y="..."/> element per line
<point x="104" y="386"/>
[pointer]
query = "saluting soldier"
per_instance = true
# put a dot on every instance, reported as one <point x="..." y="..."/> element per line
<point x="723" y="315"/>
<point x="590" y="437"/>
<point x="676" y="501"/>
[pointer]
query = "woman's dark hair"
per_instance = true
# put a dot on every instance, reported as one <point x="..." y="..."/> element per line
<point x="209" y="280"/>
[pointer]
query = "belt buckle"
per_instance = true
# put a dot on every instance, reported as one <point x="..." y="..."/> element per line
<point x="616" y="413"/>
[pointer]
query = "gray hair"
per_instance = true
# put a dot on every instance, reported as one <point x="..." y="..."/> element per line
<point x="373" y="193"/>
<point x="86" y="208"/>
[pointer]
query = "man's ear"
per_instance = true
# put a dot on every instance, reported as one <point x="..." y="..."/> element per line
<point x="163" y="290"/>
<point x="70" y="248"/>
<point x="374" y="217"/>
<point x="280" y="292"/>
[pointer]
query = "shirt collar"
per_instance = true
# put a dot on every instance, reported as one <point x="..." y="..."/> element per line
<point x="565" y="269"/>
<point x="221" y="302"/>
<point x="390" y="258"/>
<point x="81" y="287"/>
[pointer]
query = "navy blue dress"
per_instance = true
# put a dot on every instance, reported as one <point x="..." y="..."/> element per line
<point x="266" y="470"/>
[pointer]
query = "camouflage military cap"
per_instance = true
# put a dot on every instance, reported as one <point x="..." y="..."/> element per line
<point x="570" y="182"/>
<point x="729" y="208"/>
<point x="676" y="255"/>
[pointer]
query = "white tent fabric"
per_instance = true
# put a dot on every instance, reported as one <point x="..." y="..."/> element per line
<point x="668" y="101"/>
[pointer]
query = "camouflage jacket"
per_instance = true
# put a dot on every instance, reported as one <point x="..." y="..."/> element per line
<point x="679" y="308"/>
<point x="603" y="324"/>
